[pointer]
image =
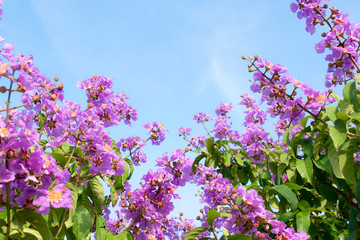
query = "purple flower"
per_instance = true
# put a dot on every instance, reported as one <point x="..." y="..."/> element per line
<point x="156" y="131"/>
<point x="58" y="197"/>
<point x="202" y="117"/>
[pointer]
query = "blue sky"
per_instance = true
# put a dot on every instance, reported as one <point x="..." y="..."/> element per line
<point x="172" y="58"/>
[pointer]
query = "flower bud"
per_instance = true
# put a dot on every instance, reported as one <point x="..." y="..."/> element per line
<point x="61" y="86"/>
<point x="56" y="79"/>
<point x="54" y="96"/>
<point x="3" y="89"/>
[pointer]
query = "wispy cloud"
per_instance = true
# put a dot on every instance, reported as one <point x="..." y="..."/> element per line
<point x="226" y="83"/>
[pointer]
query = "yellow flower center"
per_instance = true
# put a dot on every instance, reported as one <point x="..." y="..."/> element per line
<point x="320" y="98"/>
<point x="55" y="196"/>
<point x="4" y="132"/>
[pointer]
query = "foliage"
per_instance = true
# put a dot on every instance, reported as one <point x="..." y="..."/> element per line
<point x="56" y="156"/>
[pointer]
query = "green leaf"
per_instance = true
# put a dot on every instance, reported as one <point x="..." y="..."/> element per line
<point x="239" y="237"/>
<point x="37" y="221"/>
<point x="303" y="221"/>
<point x="345" y="106"/>
<point x="331" y="112"/>
<point x="357" y="78"/>
<point x="307" y="146"/>
<point x="286" y="137"/>
<point x="355" y="115"/>
<point x="74" y="197"/>
<point x="327" y="192"/>
<point x="82" y="223"/>
<point x="60" y="159"/>
<point x="42" y="118"/>
<point x="338" y="133"/>
<point x="286" y="216"/>
<point x="96" y="193"/>
<point x="227" y="159"/>
<point x="29" y="234"/>
<point x="196" y="161"/>
<point x="131" y="165"/>
<point x="349" y="92"/>
<point x="125" y="235"/>
<point x="305" y="169"/>
<point x="210" y="145"/>
<point x="289" y="195"/>
<point x="334" y="161"/>
<point x="346" y="161"/>
<point x="336" y="96"/>
<point x="17" y="222"/>
<point x="43" y="143"/>
<point x="211" y="216"/>
<point x="342" y="116"/>
<point x="55" y="216"/>
<point x="100" y="228"/>
<point x="194" y="233"/>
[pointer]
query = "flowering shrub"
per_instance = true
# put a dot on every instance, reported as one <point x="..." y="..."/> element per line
<point x="55" y="155"/>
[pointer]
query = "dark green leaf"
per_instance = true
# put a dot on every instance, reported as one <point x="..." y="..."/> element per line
<point x="55" y="216"/>
<point x="37" y="221"/>
<point x="286" y="216"/>
<point x="289" y="195"/>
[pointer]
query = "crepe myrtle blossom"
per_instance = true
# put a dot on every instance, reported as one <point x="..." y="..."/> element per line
<point x="197" y="141"/>
<point x="286" y="97"/>
<point x="111" y="108"/>
<point x="223" y="109"/>
<point x="202" y="117"/>
<point x="247" y="213"/>
<point x="131" y="143"/>
<point x="156" y="131"/>
<point x="184" y="131"/>
<point x="58" y="197"/>
<point x="342" y="38"/>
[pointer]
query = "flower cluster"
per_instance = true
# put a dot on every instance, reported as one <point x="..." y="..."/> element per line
<point x="342" y="39"/>
<point x="245" y="210"/>
<point x="254" y="137"/>
<point x="156" y="131"/>
<point x="148" y="207"/>
<point x="222" y="128"/>
<point x="31" y="177"/>
<point x="281" y="92"/>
